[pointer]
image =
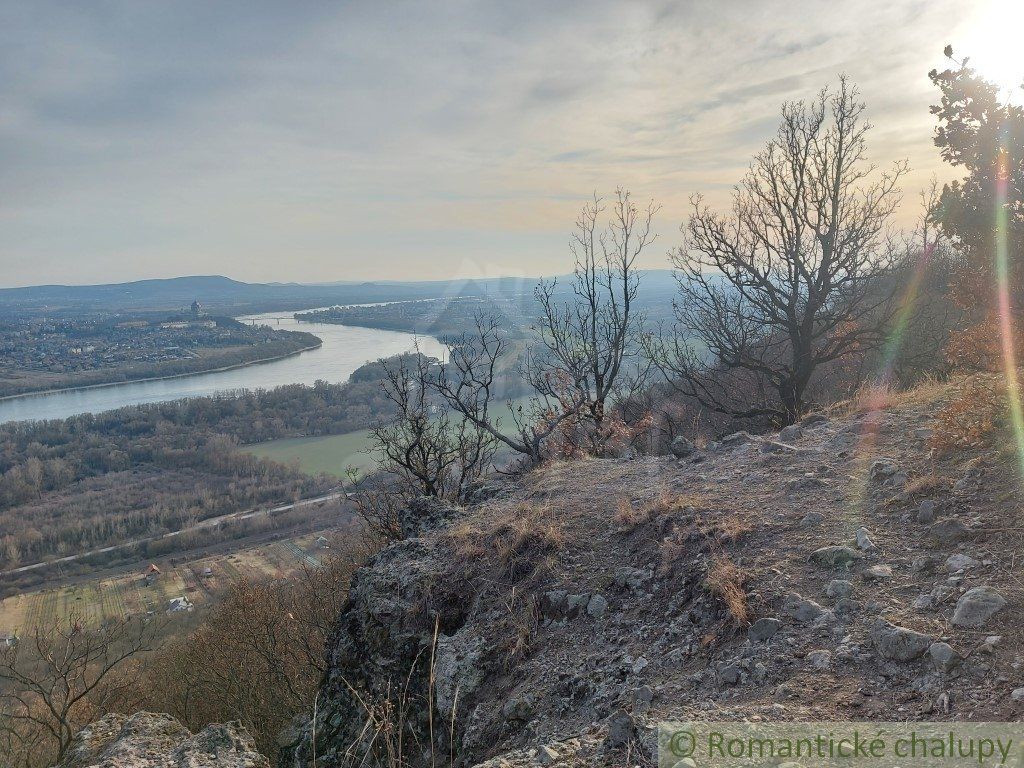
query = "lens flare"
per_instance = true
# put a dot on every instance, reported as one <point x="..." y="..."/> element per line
<point x="1002" y="253"/>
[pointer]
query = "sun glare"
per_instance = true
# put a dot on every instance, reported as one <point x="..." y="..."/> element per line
<point x="994" y="44"/>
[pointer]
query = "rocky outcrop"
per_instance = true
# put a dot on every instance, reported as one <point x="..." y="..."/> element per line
<point x="147" y="740"/>
<point x="556" y="621"/>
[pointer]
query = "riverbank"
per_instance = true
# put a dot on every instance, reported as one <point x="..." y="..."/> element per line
<point x="167" y="377"/>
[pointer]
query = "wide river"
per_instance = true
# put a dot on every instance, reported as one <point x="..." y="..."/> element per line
<point x="345" y="348"/>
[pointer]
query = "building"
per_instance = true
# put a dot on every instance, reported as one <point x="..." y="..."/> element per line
<point x="197" y="308"/>
<point x="179" y="604"/>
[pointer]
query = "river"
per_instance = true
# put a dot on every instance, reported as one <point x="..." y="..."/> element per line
<point x="344" y="349"/>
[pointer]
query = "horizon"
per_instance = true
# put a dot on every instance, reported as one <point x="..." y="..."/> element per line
<point x="396" y="143"/>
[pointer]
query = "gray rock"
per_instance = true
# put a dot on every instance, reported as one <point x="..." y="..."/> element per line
<point x="147" y="740"/>
<point x="898" y="643"/>
<point x="977" y="606"/>
<point x="924" y="603"/>
<point x="863" y="540"/>
<point x="948" y="531"/>
<point x="681" y="447"/>
<point x="762" y="629"/>
<point x="926" y="512"/>
<point x="774" y="446"/>
<point x="621" y="730"/>
<point x="812" y="519"/>
<point x="960" y="562"/>
<point x="736" y="438"/>
<point x="596" y="606"/>
<point x="878" y="573"/>
<point x="839" y="588"/>
<point x="1018" y="694"/>
<point x="801" y="608"/>
<point x="882" y="469"/>
<point x="943" y="656"/>
<point x="547" y="755"/>
<point x="791" y="433"/>
<point x="923" y="564"/>
<point x="820" y="659"/>
<point x="814" y="420"/>
<point x="729" y="674"/>
<point x="835" y="556"/>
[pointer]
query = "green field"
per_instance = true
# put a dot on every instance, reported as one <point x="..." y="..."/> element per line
<point x="334" y="454"/>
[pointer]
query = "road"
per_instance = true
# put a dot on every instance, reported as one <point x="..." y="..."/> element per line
<point x="208" y="523"/>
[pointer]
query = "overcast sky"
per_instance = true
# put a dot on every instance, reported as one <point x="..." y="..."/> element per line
<point x="320" y="141"/>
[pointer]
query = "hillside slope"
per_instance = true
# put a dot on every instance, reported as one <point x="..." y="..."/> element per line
<point x="836" y="571"/>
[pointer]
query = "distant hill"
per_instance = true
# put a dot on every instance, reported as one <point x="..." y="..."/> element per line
<point x="226" y="296"/>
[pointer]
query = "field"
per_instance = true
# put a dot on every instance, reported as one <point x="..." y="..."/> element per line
<point x="334" y="454"/>
<point x="128" y="594"/>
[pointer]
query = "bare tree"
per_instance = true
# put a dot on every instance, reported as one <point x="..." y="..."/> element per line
<point x="430" y="449"/>
<point x="801" y="273"/>
<point x="470" y="383"/>
<point x="60" y="677"/>
<point x="592" y="338"/>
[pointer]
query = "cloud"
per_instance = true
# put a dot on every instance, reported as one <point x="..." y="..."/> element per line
<point x="323" y="141"/>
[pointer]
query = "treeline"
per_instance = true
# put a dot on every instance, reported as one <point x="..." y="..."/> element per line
<point x="97" y="479"/>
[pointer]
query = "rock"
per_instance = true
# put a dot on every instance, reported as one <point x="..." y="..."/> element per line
<point x="774" y="446"/>
<point x="882" y="469"/>
<point x="1018" y="694"/>
<point x="596" y="606"/>
<point x="878" y="573"/>
<point x="681" y="447"/>
<point x="457" y="670"/>
<point x="147" y="740"/>
<point x="547" y="755"/>
<point x="736" y="438"/>
<point x="820" y="659"/>
<point x="729" y="674"/>
<point x="835" y="556"/>
<point x="621" y="730"/>
<point x="926" y="512"/>
<point x="762" y="629"/>
<point x="801" y="608"/>
<point x="642" y="698"/>
<point x="812" y="519"/>
<point x="837" y="589"/>
<point x="923" y="564"/>
<point x="814" y="420"/>
<point x="948" y="531"/>
<point x="977" y="606"/>
<point x="791" y="433"/>
<point x="864" y="540"/>
<point x="425" y="514"/>
<point x="943" y="656"/>
<point x="960" y="562"/>
<point x="898" y="643"/>
<point x="923" y="603"/>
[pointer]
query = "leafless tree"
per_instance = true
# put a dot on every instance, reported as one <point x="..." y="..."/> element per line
<point x="592" y="339"/>
<point x="801" y="272"/>
<point x="61" y="676"/>
<point x="470" y="382"/>
<point x="432" y="450"/>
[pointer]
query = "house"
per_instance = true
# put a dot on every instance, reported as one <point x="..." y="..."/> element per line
<point x="8" y="641"/>
<point x="179" y="604"/>
<point x="322" y="542"/>
<point x="151" y="574"/>
<point x="207" y="572"/>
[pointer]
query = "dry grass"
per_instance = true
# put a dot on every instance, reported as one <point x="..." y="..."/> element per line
<point x="725" y="581"/>
<point x="629" y="515"/>
<point x="923" y="485"/>
<point x="970" y="419"/>
<point x="523" y="544"/>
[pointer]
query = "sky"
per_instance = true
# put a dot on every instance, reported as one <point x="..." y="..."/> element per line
<point x="348" y="140"/>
